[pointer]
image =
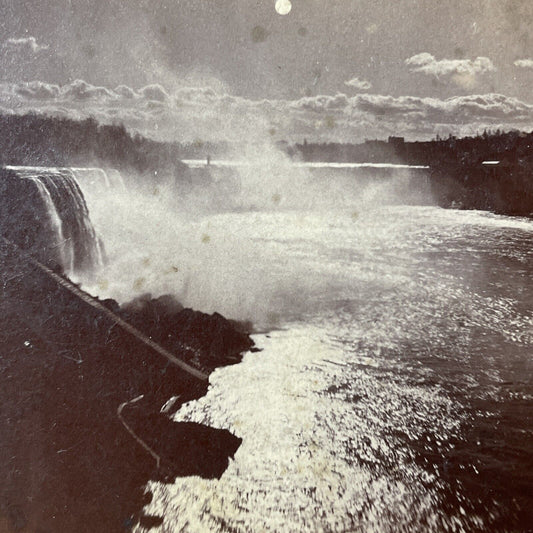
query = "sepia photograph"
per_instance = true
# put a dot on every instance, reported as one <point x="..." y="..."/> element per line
<point x="266" y="266"/>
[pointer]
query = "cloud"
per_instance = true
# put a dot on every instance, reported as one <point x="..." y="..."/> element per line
<point x="203" y="94"/>
<point x="37" y="90"/>
<point x="381" y="105"/>
<point x="191" y="113"/>
<point x="125" y="91"/>
<point x="419" y="60"/>
<point x="321" y="103"/>
<point x="358" y="84"/>
<point x="524" y="63"/>
<point x="490" y="107"/>
<point x="428" y="64"/>
<point x="81" y="90"/>
<point x="154" y="92"/>
<point x="463" y="72"/>
<point x="25" y="44"/>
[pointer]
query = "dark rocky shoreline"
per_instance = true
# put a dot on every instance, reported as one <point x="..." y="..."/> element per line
<point x="68" y="461"/>
<point x="501" y="189"/>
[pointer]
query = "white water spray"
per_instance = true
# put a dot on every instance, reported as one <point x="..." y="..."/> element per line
<point x="194" y="242"/>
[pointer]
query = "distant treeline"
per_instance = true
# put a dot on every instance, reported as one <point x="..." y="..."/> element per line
<point x="33" y="139"/>
<point x="40" y="139"/>
<point x="490" y="145"/>
<point x="492" y="171"/>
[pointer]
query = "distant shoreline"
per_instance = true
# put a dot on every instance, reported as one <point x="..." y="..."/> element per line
<point x="228" y="163"/>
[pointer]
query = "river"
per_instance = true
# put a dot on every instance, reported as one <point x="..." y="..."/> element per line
<point x="394" y="388"/>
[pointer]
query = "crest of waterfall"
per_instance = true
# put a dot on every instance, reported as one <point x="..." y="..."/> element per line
<point x="94" y="176"/>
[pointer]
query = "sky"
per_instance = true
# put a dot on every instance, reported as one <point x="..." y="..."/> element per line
<point x="340" y="70"/>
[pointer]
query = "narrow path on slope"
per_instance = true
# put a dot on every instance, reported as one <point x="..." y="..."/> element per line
<point x="87" y="298"/>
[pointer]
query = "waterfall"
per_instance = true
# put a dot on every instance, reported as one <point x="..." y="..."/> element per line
<point x="94" y="176"/>
<point x="59" y="230"/>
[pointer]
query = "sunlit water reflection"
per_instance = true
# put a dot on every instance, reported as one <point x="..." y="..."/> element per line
<point x="396" y="391"/>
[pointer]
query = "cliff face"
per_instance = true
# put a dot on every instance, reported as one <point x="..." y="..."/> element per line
<point x="504" y="188"/>
<point x="458" y="175"/>
<point x="70" y="382"/>
<point x="24" y="217"/>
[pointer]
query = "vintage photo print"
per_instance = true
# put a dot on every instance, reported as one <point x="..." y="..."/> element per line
<point x="266" y="266"/>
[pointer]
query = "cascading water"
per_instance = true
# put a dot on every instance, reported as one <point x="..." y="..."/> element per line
<point x="94" y="176"/>
<point x="62" y="233"/>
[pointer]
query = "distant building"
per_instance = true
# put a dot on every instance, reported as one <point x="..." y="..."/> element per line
<point x="397" y="142"/>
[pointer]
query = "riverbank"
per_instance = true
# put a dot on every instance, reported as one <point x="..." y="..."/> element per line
<point x="504" y="189"/>
<point x="78" y="444"/>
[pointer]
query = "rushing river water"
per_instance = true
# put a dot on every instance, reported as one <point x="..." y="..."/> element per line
<point x="394" y="389"/>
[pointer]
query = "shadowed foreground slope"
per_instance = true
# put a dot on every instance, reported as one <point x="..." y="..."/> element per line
<point x="68" y="463"/>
